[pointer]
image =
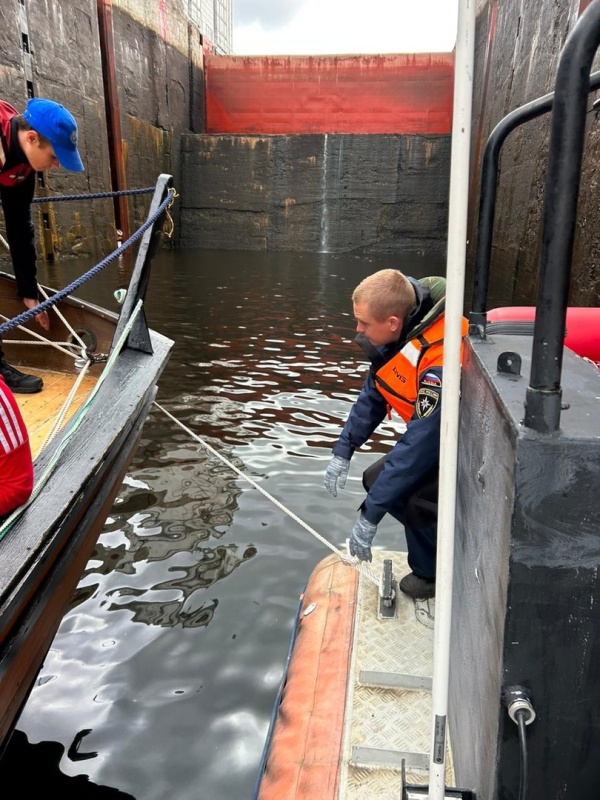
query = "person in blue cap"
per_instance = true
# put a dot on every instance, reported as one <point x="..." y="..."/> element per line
<point x="43" y="137"/>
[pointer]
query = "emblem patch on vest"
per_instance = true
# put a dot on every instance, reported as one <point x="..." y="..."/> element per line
<point x="427" y="402"/>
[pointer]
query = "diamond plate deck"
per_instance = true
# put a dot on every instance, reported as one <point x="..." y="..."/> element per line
<point x="388" y="708"/>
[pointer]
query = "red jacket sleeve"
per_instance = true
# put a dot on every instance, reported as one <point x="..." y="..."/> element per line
<point x="16" y="465"/>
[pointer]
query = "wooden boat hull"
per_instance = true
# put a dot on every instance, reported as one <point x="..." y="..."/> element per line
<point x="23" y="653"/>
<point x="44" y="554"/>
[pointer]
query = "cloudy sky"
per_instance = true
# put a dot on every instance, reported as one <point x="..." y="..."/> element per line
<point x="320" y="27"/>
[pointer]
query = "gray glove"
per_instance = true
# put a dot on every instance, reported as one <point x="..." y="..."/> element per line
<point x="336" y="474"/>
<point x="363" y="534"/>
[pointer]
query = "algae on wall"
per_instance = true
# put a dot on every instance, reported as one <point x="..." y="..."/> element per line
<point x="330" y="193"/>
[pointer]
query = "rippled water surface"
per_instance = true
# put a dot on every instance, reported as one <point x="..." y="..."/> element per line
<point x="162" y="678"/>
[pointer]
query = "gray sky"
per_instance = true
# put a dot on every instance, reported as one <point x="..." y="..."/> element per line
<point x="320" y="27"/>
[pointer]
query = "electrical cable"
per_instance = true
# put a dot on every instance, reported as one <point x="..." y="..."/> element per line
<point x="521" y="711"/>
<point x="521" y="717"/>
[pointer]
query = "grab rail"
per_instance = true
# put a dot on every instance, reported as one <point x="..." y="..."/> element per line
<point x="544" y="393"/>
<point x="487" y="199"/>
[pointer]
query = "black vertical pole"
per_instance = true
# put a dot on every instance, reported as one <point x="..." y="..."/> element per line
<point x="543" y="400"/>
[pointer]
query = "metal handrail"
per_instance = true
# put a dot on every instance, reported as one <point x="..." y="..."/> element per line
<point x="487" y="199"/>
<point x="544" y="393"/>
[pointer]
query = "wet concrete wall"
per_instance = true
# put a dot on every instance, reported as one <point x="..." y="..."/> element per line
<point x="160" y="78"/>
<point x="158" y="60"/>
<point x="63" y="64"/>
<point x="329" y="193"/>
<point x="517" y="53"/>
<point x="410" y="93"/>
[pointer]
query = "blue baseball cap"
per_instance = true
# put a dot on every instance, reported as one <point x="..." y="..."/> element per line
<point x="58" y="125"/>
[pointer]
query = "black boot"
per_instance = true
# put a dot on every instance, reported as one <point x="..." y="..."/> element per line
<point x="417" y="588"/>
<point x="18" y="382"/>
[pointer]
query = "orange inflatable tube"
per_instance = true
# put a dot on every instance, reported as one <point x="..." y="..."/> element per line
<point x="304" y="756"/>
<point x="583" y="326"/>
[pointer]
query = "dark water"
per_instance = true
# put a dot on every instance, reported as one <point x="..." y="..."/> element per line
<point x="162" y="678"/>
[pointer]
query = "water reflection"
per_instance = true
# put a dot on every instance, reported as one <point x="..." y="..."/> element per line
<point x="172" y="652"/>
<point x="45" y="759"/>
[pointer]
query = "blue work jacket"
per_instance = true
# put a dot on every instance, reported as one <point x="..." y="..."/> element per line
<point x="416" y="453"/>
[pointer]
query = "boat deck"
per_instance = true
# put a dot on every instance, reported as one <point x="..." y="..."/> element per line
<point x="40" y="410"/>
<point x="388" y="708"/>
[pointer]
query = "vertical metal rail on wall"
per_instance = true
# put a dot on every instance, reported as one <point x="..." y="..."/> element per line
<point x="544" y="393"/>
<point x="113" y="116"/>
<point x="47" y="233"/>
<point x="487" y="199"/>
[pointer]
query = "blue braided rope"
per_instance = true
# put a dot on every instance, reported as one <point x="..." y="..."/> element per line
<point x="93" y="196"/>
<point x="52" y="301"/>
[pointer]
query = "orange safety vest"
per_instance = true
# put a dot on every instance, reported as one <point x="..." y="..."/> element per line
<point x="398" y="379"/>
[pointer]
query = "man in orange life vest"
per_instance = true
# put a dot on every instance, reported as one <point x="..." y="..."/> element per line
<point x="43" y="137"/>
<point x="400" y="324"/>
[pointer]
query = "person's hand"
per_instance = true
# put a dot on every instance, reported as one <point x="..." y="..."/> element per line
<point x="362" y="536"/>
<point x="43" y="319"/>
<point x="336" y="474"/>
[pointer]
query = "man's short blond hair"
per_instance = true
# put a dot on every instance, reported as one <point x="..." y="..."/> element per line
<point x="388" y="293"/>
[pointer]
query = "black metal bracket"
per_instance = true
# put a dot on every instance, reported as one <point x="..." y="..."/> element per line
<point x="509" y="363"/>
<point x="415" y="791"/>
<point x="139" y="336"/>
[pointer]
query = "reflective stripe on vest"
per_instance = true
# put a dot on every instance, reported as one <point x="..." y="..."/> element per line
<point x="398" y="380"/>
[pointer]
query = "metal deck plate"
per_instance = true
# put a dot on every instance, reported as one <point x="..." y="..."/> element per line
<point x="388" y="707"/>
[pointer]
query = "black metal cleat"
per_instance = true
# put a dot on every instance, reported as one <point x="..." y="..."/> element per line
<point x="387" y="592"/>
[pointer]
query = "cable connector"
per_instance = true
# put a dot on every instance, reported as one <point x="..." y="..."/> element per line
<point x="516" y="699"/>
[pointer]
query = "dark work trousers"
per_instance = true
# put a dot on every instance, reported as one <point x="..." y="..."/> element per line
<point x="20" y="233"/>
<point x="418" y="515"/>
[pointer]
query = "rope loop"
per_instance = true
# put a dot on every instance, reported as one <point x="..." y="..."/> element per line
<point x="169" y="233"/>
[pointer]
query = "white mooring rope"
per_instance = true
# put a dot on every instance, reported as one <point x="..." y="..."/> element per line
<point x="75" y="422"/>
<point x="354" y="562"/>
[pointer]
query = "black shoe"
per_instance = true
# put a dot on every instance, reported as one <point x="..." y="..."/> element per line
<point x="417" y="588"/>
<point x="18" y="382"/>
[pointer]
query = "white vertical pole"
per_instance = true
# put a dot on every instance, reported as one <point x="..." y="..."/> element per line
<point x="455" y="275"/>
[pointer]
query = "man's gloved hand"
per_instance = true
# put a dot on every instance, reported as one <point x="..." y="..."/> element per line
<point x="363" y="534"/>
<point x="336" y="474"/>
